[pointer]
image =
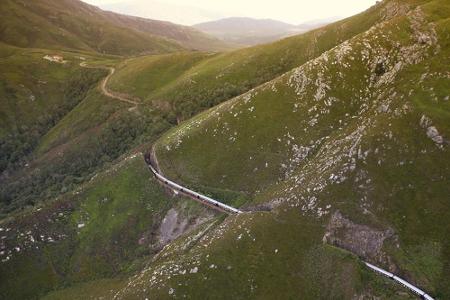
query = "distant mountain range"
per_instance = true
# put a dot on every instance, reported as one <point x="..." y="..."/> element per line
<point x="161" y="10"/>
<point x="249" y="31"/>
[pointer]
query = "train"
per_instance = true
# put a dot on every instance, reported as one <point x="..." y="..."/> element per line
<point x="403" y="282"/>
<point x="190" y="193"/>
<point x="231" y="210"/>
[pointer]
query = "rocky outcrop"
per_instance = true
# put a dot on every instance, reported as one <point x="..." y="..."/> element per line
<point x="175" y="223"/>
<point x="362" y="240"/>
<point x="431" y="131"/>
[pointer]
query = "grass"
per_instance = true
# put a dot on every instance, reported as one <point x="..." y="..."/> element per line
<point x="303" y="145"/>
<point x="149" y="74"/>
<point x="366" y="150"/>
<point x="217" y="78"/>
<point x="118" y="207"/>
<point x="75" y="25"/>
<point x="90" y="290"/>
<point x="252" y="260"/>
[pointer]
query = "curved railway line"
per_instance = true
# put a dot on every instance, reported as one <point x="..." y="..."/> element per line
<point x="190" y="193"/>
<point x="403" y="282"/>
<point x="217" y="205"/>
<point x="178" y="189"/>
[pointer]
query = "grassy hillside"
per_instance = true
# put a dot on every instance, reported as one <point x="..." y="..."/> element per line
<point x="105" y="228"/>
<point x="72" y="24"/>
<point x="362" y="129"/>
<point x="172" y="87"/>
<point x="227" y="75"/>
<point x="35" y="95"/>
<point x="349" y="150"/>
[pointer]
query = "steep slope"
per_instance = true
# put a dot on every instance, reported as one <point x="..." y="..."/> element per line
<point x="35" y="94"/>
<point x="72" y="24"/>
<point x="356" y="139"/>
<point x="167" y="84"/>
<point x="257" y="255"/>
<point x="107" y="227"/>
<point x="227" y="75"/>
<point x="186" y="36"/>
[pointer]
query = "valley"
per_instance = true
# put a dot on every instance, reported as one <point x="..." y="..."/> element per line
<point x="329" y="148"/>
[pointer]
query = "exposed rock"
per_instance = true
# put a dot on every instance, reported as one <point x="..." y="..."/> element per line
<point x="425" y="121"/>
<point x="433" y="134"/>
<point x="394" y="9"/>
<point x="175" y="223"/>
<point x="171" y="227"/>
<point x="361" y="240"/>
<point x="431" y="131"/>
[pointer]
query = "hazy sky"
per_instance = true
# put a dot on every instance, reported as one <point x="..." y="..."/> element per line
<point x="194" y="11"/>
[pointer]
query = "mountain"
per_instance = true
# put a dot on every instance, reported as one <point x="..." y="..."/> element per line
<point x="333" y="142"/>
<point x="355" y="141"/>
<point x="72" y="24"/>
<point x="248" y="31"/>
<point x="179" y="13"/>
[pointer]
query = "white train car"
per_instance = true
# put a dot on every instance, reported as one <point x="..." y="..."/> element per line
<point x="403" y="282"/>
<point x="178" y="188"/>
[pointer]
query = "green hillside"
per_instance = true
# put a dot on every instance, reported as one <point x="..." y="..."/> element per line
<point x="104" y="228"/>
<point x="221" y="77"/>
<point x="335" y="141"/>
<point x="172" y="87"/>
<point x="72" y="24"/>
<point x="35" y="95"/>
<point x="362" y="129"/>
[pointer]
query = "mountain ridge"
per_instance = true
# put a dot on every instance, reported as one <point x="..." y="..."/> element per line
<point x="73" y="24"/>
<point x="250" y="31"/>
<point x="344" y="140"/>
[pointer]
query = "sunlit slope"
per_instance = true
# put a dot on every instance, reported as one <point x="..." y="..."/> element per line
<point x="146" y="76"/>
<point x="227" y="75"/>
<point x="72" y="24"/>
<point x="362" y="129"/>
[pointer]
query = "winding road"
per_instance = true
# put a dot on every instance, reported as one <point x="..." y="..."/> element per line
<point x="104" y="86"/>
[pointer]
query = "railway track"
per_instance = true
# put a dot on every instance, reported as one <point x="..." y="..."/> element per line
<point x="403" y="282"/>
<point x="178" y="189"/>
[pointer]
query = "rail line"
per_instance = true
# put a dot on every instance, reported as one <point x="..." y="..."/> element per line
<point x="403" y="282"/>
<point x="190" y="193"/>
<point x="231" y="210"/>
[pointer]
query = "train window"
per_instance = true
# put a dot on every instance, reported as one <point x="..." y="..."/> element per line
<point x="198" y="197"/>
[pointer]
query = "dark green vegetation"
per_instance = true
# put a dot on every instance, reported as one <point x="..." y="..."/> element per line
<point x="35" y="97"/>
<point x="102" y="229"/>
<point x="359" y="127"/>
<point x="72" y="24"/>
